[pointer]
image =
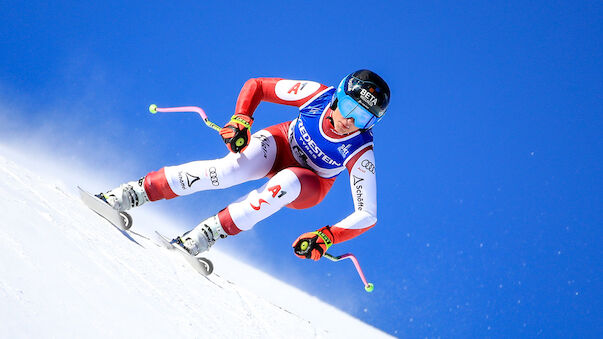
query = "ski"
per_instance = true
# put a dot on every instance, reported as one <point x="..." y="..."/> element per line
<point x="121" y="220"/>
<point x="200" y="264"/>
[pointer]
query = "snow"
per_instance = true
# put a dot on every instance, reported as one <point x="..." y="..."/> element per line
<point x="65" y="272"/>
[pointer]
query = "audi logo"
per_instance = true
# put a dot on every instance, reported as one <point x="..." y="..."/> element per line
<point x="368" y="165"/>
<point x="213" y="176"/>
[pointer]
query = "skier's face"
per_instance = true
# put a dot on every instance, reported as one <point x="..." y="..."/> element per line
<point x="343" y="125"/>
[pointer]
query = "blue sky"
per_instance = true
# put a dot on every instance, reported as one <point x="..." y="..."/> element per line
<point x="488" y="161"/>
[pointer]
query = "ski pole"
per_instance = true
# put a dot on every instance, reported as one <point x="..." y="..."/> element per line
<point x="237" y="143"/>
<point x="367" y="286"/>
<point x="194" y="109"/>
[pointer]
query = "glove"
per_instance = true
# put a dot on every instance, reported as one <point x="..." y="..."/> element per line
<point x="313" y="245"/>
<point x="236" y="132"/>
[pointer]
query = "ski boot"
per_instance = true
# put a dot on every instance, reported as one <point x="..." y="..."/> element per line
<point x="125" y="197"/>
<point x="202" y="237"/>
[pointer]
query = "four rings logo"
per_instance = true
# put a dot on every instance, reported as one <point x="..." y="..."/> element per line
<point x="213" y="176"/>
<point x="368" y="165"/>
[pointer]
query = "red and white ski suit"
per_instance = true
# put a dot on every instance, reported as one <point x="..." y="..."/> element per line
<point x="295" y="180"/>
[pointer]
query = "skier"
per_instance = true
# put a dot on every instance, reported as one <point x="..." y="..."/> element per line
<point x="301" y="158"/>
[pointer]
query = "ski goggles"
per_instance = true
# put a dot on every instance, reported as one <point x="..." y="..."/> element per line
<point x="353" y="102"/>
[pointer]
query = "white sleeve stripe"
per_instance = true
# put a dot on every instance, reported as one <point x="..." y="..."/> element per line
<point x="314" y="97"/>
<point x="365" y="146"/>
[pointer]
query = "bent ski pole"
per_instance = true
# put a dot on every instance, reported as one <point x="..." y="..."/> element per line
<point x="367" y="286"/>
<point x="194" y="109"/>
<point x="237" y="143"/>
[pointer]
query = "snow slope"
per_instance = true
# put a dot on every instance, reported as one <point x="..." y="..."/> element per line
<point x="65" y="272"/>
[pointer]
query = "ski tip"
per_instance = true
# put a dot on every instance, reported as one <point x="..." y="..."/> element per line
<point x="160" y="236"/>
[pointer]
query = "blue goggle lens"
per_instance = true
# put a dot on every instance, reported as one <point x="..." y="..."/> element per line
<point x="349" y="108"/>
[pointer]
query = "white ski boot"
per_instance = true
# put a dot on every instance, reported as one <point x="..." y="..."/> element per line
<point x="202" y="237"/>
<point x="126" y="196"/>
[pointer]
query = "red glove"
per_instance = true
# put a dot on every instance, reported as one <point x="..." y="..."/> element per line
<point x="236" y="132"/>
<point x="313" y="245"/>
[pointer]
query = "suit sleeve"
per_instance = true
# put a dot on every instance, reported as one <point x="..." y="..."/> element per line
<point x="275" y="90"/>
<point x="363" y="185"/>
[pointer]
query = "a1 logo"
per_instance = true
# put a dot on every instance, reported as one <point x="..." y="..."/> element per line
<point x="276" y="190"/>
<point x="293" y="90"/>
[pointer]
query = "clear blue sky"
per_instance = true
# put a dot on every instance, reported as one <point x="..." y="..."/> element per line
<point x="489" y="159"/>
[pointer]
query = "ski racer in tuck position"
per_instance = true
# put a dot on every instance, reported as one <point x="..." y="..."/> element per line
<point x="301" y="158"/>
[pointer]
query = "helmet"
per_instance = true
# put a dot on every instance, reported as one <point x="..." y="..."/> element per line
<point x="364" y="96"/>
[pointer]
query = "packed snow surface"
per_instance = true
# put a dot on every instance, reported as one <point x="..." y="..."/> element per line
<point x="67" y="273"/>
